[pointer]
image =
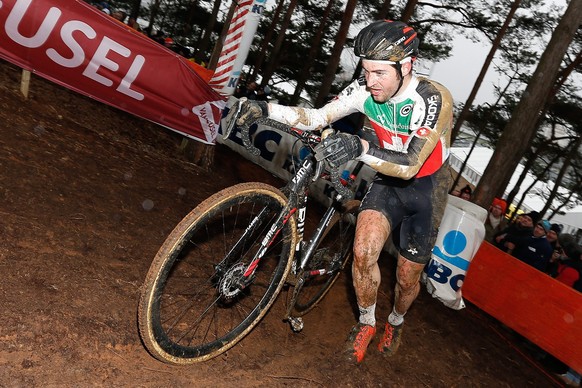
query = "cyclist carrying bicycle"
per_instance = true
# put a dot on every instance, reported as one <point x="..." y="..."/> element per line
<point x="411" y="117"/>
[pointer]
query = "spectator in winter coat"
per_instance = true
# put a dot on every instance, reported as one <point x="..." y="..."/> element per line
<point x="534" y="250"/>
<point x="554" y="234"/>
<point x="495" y="221"/>
<point x="569" y="269"/>
<point x="569" y="272"/>
<point x="522" y="227"/>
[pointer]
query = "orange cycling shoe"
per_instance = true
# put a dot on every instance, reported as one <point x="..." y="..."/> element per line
<point x="359" y="340"/>
<point x="391" y="339"/>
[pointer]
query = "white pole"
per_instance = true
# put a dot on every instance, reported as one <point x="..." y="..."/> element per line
<point x="237" y="44"/>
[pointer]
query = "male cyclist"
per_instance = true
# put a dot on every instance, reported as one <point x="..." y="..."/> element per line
<point x="411" y="117"/>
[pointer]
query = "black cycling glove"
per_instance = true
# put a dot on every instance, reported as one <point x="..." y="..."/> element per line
<point x="338" y="149"/>
<point x="251" y="111"/>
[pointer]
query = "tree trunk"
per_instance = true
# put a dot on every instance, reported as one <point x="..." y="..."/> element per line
<point x="315" y="44"/>
<point x="153" y="15"/>
<point x="135" y="7"/>
<point x="458" y="178"/>
<point x="198" y="153"/>
<point x="336" y="52"/>
<point x="274" y="62"/>
<point x="205" y="41"/>
<point x="494" y="46"/>
<point x="564" y="203"/>
<point x="526" y="168"/>
<point x="260" y="60"/>
<point x="384" y="13"/>
<point x="520" y="129"/>
<point x="408" y="10"/>
<point x="558" y="181"/>
<point x="192" y="8"/>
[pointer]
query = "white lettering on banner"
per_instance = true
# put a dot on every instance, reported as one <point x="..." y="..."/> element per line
<point x="125" y="84"/>
<point x="99" y="58"/>
<point x="41" y="36"/>
<point x="67" y="35"/>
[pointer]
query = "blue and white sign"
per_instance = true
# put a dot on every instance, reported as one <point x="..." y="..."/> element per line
<point x="461" y="233"/>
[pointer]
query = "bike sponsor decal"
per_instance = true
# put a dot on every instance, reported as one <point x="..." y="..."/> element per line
<point x="301" y="215"/>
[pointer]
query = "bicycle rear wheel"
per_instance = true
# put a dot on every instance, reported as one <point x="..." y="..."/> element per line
<point x="332" y="253"/>
<point x="193" y="306"/>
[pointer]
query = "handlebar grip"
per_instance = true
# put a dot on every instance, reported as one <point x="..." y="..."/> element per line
<point x="246" y="139"/>
<point x="245" y="136"/>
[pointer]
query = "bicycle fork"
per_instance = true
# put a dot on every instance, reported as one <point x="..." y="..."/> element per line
<point x="303" y="255"/>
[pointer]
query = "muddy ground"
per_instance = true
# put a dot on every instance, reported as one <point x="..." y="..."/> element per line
<point x="77" y="236"/>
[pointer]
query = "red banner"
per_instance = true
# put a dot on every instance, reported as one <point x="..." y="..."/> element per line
<point x="77" y="46"/>
<point x="530" y="302"/>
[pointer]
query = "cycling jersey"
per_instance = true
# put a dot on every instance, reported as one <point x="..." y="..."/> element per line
<point x="412" y="129"/>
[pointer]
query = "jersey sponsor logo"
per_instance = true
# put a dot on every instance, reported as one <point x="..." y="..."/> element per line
<point x="432" y="110"/>
<point x="405" y="110"/>
<point x="423" y="132"/>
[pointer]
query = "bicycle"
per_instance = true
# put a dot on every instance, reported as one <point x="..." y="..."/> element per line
<point x="222" y="267"/>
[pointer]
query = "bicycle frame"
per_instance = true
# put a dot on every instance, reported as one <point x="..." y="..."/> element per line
<point x="296" y="189"/>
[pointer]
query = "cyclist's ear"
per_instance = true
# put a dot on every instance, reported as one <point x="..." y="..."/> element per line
<point x="406" y="68"/>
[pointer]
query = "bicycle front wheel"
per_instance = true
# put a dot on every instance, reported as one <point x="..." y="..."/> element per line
<point x="331" y="254"/>
<point x="197" y="301"/>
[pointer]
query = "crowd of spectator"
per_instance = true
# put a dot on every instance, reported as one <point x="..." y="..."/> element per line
<point x="252" y="91"/>
<point x="540" y="244"/>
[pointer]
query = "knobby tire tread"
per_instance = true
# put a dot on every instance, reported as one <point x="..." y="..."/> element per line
<point x="172" y="244"/>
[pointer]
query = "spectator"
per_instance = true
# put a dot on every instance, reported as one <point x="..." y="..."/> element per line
<point x="263" y="93"/>
<point x="534" y="250"/>
<point x="119" y="15"/>
<point x="569" y="272"/>
<point x="132" y="22"/>
<point x="169" y="42"/>
<point x="552" y="267"/>
<point x="569" y="269"/>
<point x="158" y="36"/>
<point x="466" y="193"/>
<point x="495" y="221"/>
<point x="554" y="234"/>
<point x="522" y="227"/>
<point x="251" y="92"/>
<point x="105" y="7"/>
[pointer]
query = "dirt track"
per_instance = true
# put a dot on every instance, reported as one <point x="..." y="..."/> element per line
<point x="76" y="240"/>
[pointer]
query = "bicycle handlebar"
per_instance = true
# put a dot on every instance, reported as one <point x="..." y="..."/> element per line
<point x="307" y="138"/>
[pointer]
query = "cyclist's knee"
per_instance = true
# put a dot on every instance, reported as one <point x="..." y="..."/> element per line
<point x="366" y="252"/>
<point x="408" y="274"/>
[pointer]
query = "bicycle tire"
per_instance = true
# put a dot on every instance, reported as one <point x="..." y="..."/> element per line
<point x="182" y="317"/>
<point x="338" y="238"/>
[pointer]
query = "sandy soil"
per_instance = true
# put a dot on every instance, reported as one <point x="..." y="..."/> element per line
<point x="76" y="242"/>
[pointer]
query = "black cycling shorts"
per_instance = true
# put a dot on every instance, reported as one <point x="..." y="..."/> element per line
<point x="413" y="207"/>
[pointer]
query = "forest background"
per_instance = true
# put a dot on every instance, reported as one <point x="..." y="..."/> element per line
<point x="534" y="47"/>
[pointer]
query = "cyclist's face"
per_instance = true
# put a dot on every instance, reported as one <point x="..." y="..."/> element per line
<point x="382" y="79"/>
